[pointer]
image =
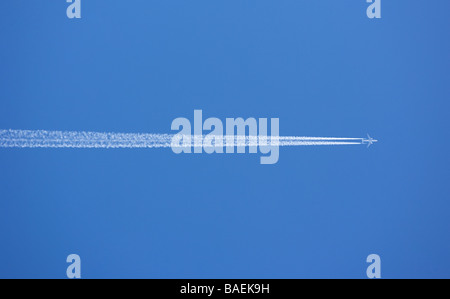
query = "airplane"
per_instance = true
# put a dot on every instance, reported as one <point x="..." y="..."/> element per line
<point x="369" y="140"/>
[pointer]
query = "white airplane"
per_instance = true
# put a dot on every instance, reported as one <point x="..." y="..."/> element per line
<point x="369" y="140"/>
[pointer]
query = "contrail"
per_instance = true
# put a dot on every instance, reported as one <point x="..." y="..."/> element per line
<point x="72" y="139"/>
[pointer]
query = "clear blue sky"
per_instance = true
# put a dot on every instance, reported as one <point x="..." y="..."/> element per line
<point x="322" y="67"/>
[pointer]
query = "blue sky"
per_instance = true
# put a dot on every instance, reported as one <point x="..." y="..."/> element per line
<point x="322" y="67"/>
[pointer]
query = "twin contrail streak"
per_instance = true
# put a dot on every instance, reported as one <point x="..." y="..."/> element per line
<point x="70" y="139"/>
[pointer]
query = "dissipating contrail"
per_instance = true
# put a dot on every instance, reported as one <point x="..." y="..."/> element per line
<point x="75" y="139"/>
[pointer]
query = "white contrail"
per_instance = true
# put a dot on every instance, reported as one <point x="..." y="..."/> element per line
<point x="70" y="139"/>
